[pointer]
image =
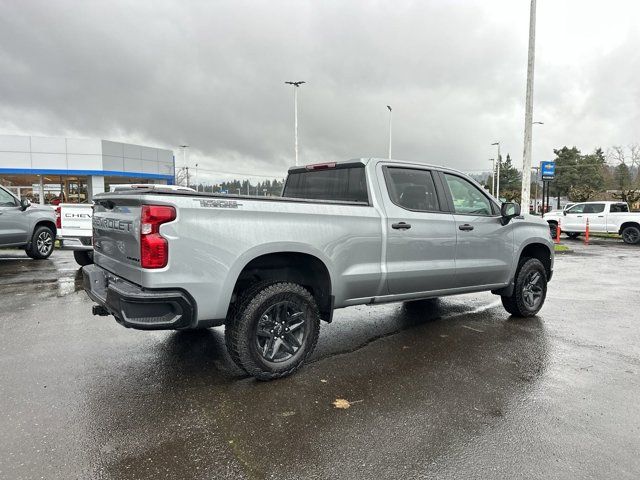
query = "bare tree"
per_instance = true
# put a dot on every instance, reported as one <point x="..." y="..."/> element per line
<point x="626" y="176"/>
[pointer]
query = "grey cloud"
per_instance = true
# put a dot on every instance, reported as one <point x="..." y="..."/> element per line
<point x="211" y="74"/>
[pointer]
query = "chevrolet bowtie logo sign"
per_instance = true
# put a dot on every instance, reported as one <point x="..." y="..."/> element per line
<point x="548" y="170"/>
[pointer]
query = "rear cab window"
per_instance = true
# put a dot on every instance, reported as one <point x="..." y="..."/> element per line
<point x="619" y="208"/>
<point x="344" y="182"/>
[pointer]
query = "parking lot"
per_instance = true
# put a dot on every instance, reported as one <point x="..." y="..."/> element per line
<point x="445" y="389"/>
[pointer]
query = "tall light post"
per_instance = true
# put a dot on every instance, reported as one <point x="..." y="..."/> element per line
<point x="528" y="115"/>
<point x="493" y="176"/>
<point x="184" y="160"/>
<point x="197" y="184"/>
<point x="498" y="161"/>
<point x="390" y="128"/>
<point x="296" y="85"/>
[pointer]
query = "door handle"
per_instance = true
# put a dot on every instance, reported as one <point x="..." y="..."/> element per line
<point x="466" y="227"/>
<point x="600" y="216"/>
<point x="579" y="216"/>
<point x="401" y="226"/>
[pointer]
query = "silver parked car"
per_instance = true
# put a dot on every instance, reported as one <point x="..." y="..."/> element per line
<point x="23" y="225"/>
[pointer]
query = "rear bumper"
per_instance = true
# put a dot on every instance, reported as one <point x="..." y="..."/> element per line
<point x="75" y="243"/>
<point x="136" y="307"/>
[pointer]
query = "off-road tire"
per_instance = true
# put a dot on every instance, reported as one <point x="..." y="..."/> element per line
<point x="631" y="235"/>
<point x="83" y="257"/>
<point x="242" y="324"/>
<point x="235" y="310"/>
<point x="33" y="251"/>
<point x="553" y="228"/>
<point x="515" y="303"/>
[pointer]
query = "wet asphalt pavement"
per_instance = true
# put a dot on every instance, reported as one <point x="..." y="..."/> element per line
<point x="445" y="389"/>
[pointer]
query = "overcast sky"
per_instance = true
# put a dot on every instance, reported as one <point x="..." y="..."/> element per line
<point x="211" y="75"/>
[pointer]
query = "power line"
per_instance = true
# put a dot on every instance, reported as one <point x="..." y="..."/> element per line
<point x="221" y="172"/>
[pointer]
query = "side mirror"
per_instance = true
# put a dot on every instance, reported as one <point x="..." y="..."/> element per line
<point x="24" y="204"/>
<point x="564" y="212"/>
<point x="509" y="210"/>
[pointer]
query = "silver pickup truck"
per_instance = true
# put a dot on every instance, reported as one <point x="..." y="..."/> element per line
<point x="270" y="268"/>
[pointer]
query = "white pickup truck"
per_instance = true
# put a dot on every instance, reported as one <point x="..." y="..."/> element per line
<point x="73" y="223"/>
<point x="603" y="217"/>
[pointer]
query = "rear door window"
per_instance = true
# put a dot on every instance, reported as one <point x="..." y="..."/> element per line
<point x="342" y="184"/>
<point x="594" y="208"/>
<point x="412" y="189"/>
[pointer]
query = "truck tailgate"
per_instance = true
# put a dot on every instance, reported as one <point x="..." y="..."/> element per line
<point x="116" y="236"/>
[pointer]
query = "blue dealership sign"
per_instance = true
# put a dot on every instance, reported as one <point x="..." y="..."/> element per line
<point x="548" y="170"/>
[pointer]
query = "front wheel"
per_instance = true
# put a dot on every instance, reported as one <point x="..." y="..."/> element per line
<point x="553" y="227"/>
<point x="530" y="289"/>
<point x="83" y="257"/>
<point x="42" y="243"/>
<point x="573" y="235"/>
<point x="273" y="330"/>
<point x="631" y="235"/>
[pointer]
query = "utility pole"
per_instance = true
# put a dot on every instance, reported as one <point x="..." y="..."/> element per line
<point x="528" y="116"/>
<point x="296" y="85"/>
<point x="197" y="184"/>
<point x="499" y="161"/>
<point x="390" y="128"/>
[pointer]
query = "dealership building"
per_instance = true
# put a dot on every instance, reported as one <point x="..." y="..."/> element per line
<point x="45" y="169"/>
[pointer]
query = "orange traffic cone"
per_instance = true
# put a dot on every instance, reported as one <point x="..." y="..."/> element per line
<point x="558" y="231"/>
<point x="586" y="234"/>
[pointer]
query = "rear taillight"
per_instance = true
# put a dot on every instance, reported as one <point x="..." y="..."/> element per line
<point x="58" y="218"/>
<point x="154" y="248"/>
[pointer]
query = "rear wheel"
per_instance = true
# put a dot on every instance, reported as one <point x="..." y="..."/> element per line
<point x="530" y="289"/>
<point x="573" y="235"/>
<point x="42" y="243"/>
<point x="83" y="257"/>
<point x="553" y="227"/>
<point x="274" y="330"/>
<point x="631" y="235"/>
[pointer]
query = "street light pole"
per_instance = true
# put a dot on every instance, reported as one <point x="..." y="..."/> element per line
<point x="493" y="176"/>
<point x="499" y="161"/>
<point x="197" y="184"/>
<point x="390" y="128"/>
<point x="184" y="160"/>
<point x="528" y="116"/>
<point x="296" y="85"/>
